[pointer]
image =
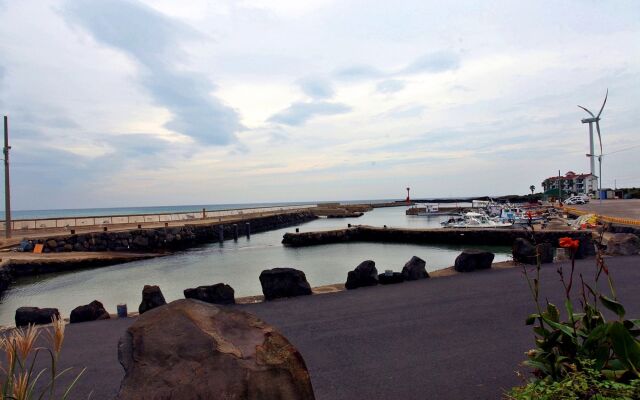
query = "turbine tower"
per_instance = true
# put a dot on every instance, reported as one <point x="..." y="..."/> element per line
<point x="595" y="119"/>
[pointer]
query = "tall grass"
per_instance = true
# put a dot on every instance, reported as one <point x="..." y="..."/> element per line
<point x="20" y="379"/>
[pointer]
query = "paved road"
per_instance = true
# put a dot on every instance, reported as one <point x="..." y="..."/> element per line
<point x="458" y="337"/>
<point x="629" y="208"/>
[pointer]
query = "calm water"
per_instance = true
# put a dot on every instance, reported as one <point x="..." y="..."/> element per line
<point x="236" y="263"/>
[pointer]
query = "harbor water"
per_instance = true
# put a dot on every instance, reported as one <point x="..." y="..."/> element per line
<point x="236" y="263"/>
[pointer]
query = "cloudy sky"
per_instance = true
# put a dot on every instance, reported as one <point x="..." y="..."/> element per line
<point x="123" y="103"/>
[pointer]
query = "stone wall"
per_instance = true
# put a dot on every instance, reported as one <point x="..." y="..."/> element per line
<point x="169" y="238"/>
<point x="497" y="237"/>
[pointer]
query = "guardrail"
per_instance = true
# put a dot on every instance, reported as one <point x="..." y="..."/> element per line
<point x="75" y="222"/>
<point x="603" y="218"/>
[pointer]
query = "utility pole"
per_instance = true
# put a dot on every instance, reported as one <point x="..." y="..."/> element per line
<point x="559" y="188"/>
<point x="7" y="191"/>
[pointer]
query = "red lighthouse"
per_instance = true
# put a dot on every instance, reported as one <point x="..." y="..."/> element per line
<point x="408" y="198"/>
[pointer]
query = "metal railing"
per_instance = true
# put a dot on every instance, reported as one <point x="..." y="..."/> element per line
<point x="92" y="221"/>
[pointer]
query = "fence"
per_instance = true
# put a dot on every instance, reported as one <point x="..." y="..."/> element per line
<point x="75" y="222"/>
<point x="603" y="218"/>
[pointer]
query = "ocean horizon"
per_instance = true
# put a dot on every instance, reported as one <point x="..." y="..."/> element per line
<point x="169" y="209"/>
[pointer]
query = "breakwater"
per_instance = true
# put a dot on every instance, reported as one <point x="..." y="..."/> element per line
<point x="167" y="238"/>
<point x="494" y="237"/>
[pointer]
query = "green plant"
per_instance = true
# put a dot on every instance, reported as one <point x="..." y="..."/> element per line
<point x="19" y="379"/>
<point x="586" y="384"/>
<point x="612" y="346"/>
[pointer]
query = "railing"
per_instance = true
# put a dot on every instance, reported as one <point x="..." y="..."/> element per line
<point x="603" y="218"/>
<point x="76" y="222"/>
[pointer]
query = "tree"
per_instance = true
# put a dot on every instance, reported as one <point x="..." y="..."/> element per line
<point x="532" y="188"/>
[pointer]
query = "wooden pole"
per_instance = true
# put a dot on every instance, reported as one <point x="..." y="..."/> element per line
<point x="7" y="191"/>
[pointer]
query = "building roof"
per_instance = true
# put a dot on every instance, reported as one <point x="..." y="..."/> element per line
<point x="570" y="175"/>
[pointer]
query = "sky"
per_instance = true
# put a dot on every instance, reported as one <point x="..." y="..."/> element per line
<point x="116" y="103"/>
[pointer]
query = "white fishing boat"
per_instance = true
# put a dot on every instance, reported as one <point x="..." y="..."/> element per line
<point x="475" y="220"/>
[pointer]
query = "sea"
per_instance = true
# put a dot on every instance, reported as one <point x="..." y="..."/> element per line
<point x="237" y="263"/>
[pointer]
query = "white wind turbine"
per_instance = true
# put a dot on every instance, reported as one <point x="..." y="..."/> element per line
<point x="595" y="119"/>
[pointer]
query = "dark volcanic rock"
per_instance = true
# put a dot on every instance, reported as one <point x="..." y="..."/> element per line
<point x="90" y="312"/>
<point x="365" y="274"/>
<point x="151" y="298"/>
<point x="525" y="252"/>
<point x="214" y="294"/>
<point x="396" y="277"/>
<point x="194" y="350"/>
<point x="472" y="260"/>
<point x="415" y="269"/>
<point x="623" y="244"/>
<point x="284" y="282"/>
<point x="35" y="315"/>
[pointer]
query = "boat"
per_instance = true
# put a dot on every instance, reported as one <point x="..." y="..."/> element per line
<point x="475" y="220"/>
<point x="423" y="209"/>
<point x="518" y="216"/>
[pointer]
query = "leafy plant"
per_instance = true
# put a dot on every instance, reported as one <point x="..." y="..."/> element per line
<point x="586" y="384"/>
<point x="611" y="346"/>
<point x="19" y="379"/>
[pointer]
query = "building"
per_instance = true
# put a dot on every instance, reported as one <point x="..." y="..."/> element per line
<point x="572" y="183"/>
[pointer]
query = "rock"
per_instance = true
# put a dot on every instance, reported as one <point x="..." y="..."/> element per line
<point x="89" y="312"/>
<point x="525" y="252"/>
<point x="151" y="298"/>
<point x="365" y="274"/>
<point x="472" y="260"/>
<point x="194" y="350"/>
<point x="284" y="282"/>
<point x="623" y="244"/>
<point x="396" y="277"/>
<point x="35" y="315"/>
<point x="415" y="269"/>
<point x="52" y="244"/>
<point x="214" y="294"/>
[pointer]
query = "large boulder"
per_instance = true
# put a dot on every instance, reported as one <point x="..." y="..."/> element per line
<point x="151" y="298"/>
<point x="284" y="282"/>
<point x="526" y="253"/>
<point x="623" y="244"/>
<point x="214" y="294"/>
<point x="472" y="260"/>
<point x="415" y="269"/>
<point x="193" y="350"/>
<point x="89" y="312"/>
<point x="365" y="274"/>
<point x="35" y="315"/>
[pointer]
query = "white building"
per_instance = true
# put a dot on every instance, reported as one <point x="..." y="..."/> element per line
<point x="572" y="183"/>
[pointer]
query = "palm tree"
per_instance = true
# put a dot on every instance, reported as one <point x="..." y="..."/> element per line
<point x="532" y="188"/>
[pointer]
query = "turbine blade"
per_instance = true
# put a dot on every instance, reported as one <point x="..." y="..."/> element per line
<point x="590" y="113"/>
<point x="603" y="103"/>
<point x="599" y="137"/>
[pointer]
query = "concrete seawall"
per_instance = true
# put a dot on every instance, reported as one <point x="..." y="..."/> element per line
<point x="497" y="237"/>
<point x="168" y="238"/>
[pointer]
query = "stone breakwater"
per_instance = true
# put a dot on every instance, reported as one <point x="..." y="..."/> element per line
<point x="495" y="237"/>
<point x="168" y="238"/>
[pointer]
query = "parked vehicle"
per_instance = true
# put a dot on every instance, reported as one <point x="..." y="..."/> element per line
<point x="575" y="200"/>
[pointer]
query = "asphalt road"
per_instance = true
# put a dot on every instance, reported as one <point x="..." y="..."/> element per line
<point x="458" y="337"/>
<point x="629" y="208"/>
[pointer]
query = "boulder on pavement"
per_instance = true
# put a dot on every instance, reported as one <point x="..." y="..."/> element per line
<point x="365" y="274"/>
<point x="526" y="253"/>
<point x="194" y="350"/>
<point x="35" y="315"/>
<point x="89" y="312"/>
<point x="151" y="298"/>
<point x="214" y="294"/>
<point x="623" y="244"/>
<point x="284" y="282"/>
<point x="415" y="269"/>
<point x="472" y="260"/>
<point x="394" y="277"/>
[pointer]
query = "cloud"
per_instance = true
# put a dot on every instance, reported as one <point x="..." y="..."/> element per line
<point x="358" y="72"/>
<point x="152" y="40"/>
<point x="406" y="111"/>
<point x="317" y="88"/>
<point x="434" y="62"/>
<point x="390" y="86"/>
<point x="299" y="113"/>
